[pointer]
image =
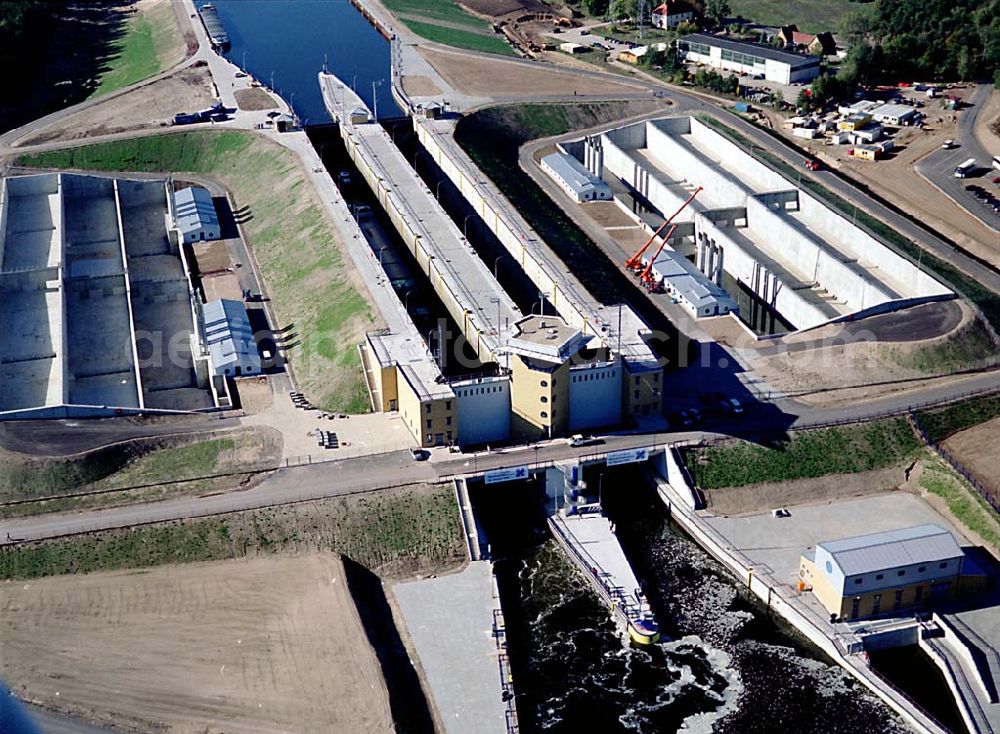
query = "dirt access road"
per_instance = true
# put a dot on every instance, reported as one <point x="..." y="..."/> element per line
<point x="265" y="645"/>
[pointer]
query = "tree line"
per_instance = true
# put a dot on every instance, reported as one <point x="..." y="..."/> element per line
<point x="929" y="40"/>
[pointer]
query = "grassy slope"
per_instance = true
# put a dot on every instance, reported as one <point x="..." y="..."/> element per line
<point x="475" y="34"/>
<point x="809" y="15"/>
<point x="129" y="465"/>
<point x="461" y="39"/>
<point x="808" y="454"/>
<point x="148" y="46"/>
<point x="966" y="348"/>
<point x="304" y="270"/>
<point x="963" y="502"/>
<point x="386" y="530"/>
<point x="939" y="423"/>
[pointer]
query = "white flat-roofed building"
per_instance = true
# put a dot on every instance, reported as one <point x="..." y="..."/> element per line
<point x="782" y="67"/>
<point x="692" y="288"/>
<point x="574" y="179"/>
<point x="893" y="114"/>
<point x="671" y="14"/>
<point x="195" y="215"/>
<point x="229" y="338"/>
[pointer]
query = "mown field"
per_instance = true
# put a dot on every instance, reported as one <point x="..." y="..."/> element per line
<point x="443" y="21"/>
<point x="810" y="16"/>
<point x="151" y="42"/>
<point x="395" y="531"/>
<point x="313" y="286"/>
<point x="813" y="453"/>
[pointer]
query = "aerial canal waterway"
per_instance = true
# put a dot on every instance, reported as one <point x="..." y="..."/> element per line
<point x="725" y="665"/>
<point x="289" y="39"/>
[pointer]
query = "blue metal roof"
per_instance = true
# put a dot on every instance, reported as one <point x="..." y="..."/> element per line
<point x="892" y="549"/>
<point x="194" y="210"/>
<point x="229" y="335"/>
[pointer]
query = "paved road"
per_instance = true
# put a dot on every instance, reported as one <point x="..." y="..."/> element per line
<point x="939" y="166"/>
<point x="370" y="473"/>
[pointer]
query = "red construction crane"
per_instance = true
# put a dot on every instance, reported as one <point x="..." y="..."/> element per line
<point x="634" y="263"/>
<point x="646" y="277"/>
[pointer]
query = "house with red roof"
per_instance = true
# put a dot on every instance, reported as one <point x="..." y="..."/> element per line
<point x="672" y="13"/>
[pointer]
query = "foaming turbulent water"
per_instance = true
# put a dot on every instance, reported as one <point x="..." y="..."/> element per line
<point x="726" y="668"/>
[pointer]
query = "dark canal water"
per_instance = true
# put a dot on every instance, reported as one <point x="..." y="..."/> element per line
<point x="725" y="665"/>
<point x="289" y="38"/>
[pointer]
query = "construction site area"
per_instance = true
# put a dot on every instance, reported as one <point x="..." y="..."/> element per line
<point x="745" y="241"/>
<point x="99" y="314"/>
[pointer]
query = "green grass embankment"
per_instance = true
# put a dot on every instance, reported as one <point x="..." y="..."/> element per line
<point x="305" y="271"/>
<point x="968" y="347"/>
<point x="443" y="21"/>
<point x="963" y="502"/>
<point x="390" y="531"/>
<point x="940" y="423"/>
<point x="145" y="469"/>
<point x="808" y="454"/>
<point x="150" y="43"/>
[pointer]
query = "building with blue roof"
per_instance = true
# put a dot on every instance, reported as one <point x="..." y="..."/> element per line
<point x="574" y="178"/>
<point x="690" y="287"/>
<point x="195" y="216"/>
<point x="878" y="573"/>
<point x="229" y="338"/>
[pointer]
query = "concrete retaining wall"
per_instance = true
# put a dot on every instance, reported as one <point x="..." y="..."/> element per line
<point x="743" y="570"/>
<point x="534" y="266"/>
<point x="395" y="207"/>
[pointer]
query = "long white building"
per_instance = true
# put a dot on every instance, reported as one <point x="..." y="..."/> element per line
<point x="782" y="67"/>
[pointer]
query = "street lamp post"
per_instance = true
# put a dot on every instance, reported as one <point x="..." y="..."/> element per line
<point x="465" y="225"/>
<point x="406" y="301"/>
<point x="496" y="267"/>
<point x="382" y="249"/>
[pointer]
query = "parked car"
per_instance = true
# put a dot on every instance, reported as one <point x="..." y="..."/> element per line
<point x="420" y="454"/>
<point x="580" y="439"/>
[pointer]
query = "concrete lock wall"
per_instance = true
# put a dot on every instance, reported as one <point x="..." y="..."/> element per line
<point x="746" y="269"/>
<point x="856" y="290"/>
<point x="595" y="396"/>
<point x="664" y="197"/>
<point x="4" y="208"/>
<point x="697" y="169"/>
<point x="394" y="207"/>
<point x="504" y="230"/>
<point x="866" y="248"/>
<point x="483" y="409"/>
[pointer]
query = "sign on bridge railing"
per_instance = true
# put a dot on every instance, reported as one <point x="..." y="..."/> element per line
<point x="628" y="456"/>
<point x="510" y="474"/>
